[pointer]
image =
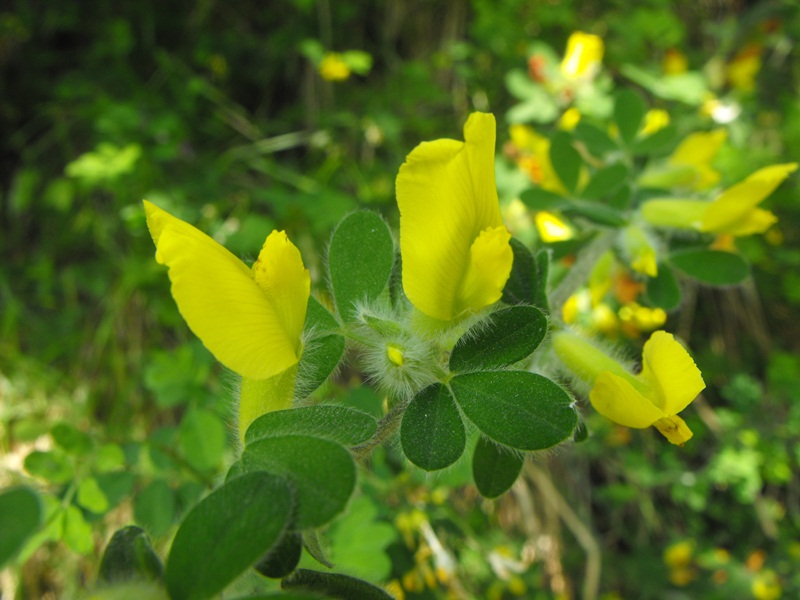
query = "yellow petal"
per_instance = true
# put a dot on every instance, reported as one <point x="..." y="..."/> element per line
<point x="447" y="196"/>
<point x="551" y="228"/>
<point x="260" y="396"/>
<point x="616" y="399"/>
<point x="669" y="370"/>
<point x="281" y="275"/>
<point x="699" y="148"/>
<point x="674" y="429"/>
<point x="727" y="213"/>
<point x="219" y="299"/>
<point x="583" y="55"/>
<point x="490" y="258"/>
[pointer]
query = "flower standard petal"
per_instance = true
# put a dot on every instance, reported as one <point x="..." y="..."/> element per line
<point x="447" y="196"/>
<point x="219" y="299"/>
<point x="490" y="259"/>
<point x="616" y="399"/>
<point x="669" y="370"/>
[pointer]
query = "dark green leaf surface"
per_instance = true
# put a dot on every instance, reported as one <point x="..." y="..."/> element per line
<point x="129" y="556"/>
<point x="515" y="408"/>
<point x="595" y="212"/>
<point x="629" y="110"/>
<point x="320" y="358"/>
<point x="322" y="471"/>
<point x="334" y="422"/>
<point x="660" y="141"/>
<point x="663" y="290"/>
<point x="713" y="267"/>
<point x="494" y="468"/>
<point x="540" y="199"/>
<point x="333" y="585"/>
<point x="154" y="507"/>
<point x="20" y="514"/>
<point x="511" y="335"/>
<point x="432" y="433"/>
<point x="360" y="259"/>
<point x="523" y="281"/>
<point x="566" y="160"/>
<point x="226" y="533"/>
<point x="53" y="466"/>
<point x="598" y="142"/>
<point x="71" y="439"/>
<point x="605" y="182"/>
<point x="283" y="558"/>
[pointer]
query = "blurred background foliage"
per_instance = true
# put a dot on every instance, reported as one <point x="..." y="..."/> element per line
<point x="241" y="117"/>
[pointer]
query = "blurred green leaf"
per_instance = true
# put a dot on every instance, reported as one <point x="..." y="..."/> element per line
<point x="629" y="110"/>
<point x="91" y="497"/>
<point x="225" y="533"/>
<point x="323" y="473"/>
<point x="566" y="160"/>
<point x="432" y="432"/>
<point x="109" y="457"/>
<point x="656" y="143"/>
<point x="540" y="199"/>
<point x="77" y="532"/>
<point x="509" y="336"/>
<point x="360" y="260"/>
<point x="71" y="439"/>
<point x="202" y="436"/>
<point x="597" y="141"/>
<point x="129" y="556"/>
<point x="53" y="466"/>
<point x="518" y="409"/>
<point x="494" y="468"/>
<point x="154" y="507"/>
<point x="662" y="290"/>
<point x="713" y="267"/>
<point x="337" y="423"/>
<point x="20" y="516"/>
<point x="605" y="182"/>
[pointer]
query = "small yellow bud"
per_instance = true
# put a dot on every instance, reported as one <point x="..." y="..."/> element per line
<point x="395" y="354"/>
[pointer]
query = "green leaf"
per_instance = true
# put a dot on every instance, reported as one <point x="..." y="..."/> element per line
<point x="319" y="319"/>
<point x="108" y="458"/>
<point x="523" y="281"/>
<point x="543" y="259"/>
<point x="629" y="110"/>
<point x="713" y="267"/>
<point x="202" y="437"/>
<point x="322" y="471"/>
<point x="662" y="290"/>
<point x="129" y="556"/>
<point x="115" y="485"/>
<point x="360" y="259"/>
<point x="522" y="410"/>
<point x="432" y="433"/>
<point x="20" y="515"/>
<point x="71" y="440"/>
<point x="53" y="466"/>
<point x="91" y="497"/>
<point x="537" y="198"/>
<point x="359" y="539"/>
<point x="283" y="558"/>
<point x="507" y="337"/>
<point x="154" y="507"/>
<point x="227" y="532"/>
<point x="596" y="140"/>
<point x="494" y="468"/>
<point x="333" y="422"/>
<point x="566" y="160"/>
<point x="77" y="533"/>
<point x="320" y="358"/>
<point x="595" y="212"/>
<point x="606" y="182"/>
<point x="333" y="585"/>
<point x="656" y="143"/>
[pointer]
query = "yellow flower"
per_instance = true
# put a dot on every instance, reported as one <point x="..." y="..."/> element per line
<point x="734" y="212"/>
<point x="654" y="120"/>
<point x="551" y="228"/>
<point x="766" y="586"/>
<point x="251" y="320"/>
<point x="675" y="62"/>
<point x="742" y="70"/>
<point x="689" y="165"/>
<point x="668" y="382"/>
<point x="583" y="56"/>
<point x="570" y="119"/>
<point x="456" y="252"/>
<point x="639" y="251"/>
<point x="534" y="158"/>
<point x="333" y="68"/>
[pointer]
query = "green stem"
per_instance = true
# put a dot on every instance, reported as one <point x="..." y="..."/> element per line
<point x="387" y="426"/>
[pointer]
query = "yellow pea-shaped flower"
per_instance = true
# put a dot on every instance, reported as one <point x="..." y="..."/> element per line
<point x="455" y="248"/>
<point x="251" y="320"/>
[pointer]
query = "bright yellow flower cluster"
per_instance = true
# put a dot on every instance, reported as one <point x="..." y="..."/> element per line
<point x="583" y="56"/>
<point x="333" y="68"/>
<point x="667" y="384"/>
